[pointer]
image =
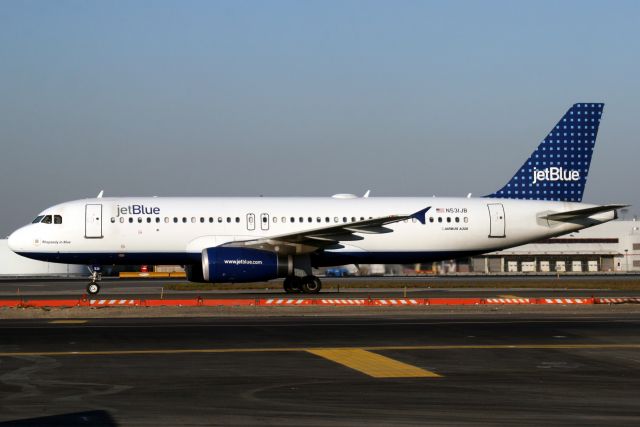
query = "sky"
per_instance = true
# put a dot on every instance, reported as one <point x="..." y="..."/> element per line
<point x="305" y="98"/>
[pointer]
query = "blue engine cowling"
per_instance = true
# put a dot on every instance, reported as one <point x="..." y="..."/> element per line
<point x="240" y="265"/>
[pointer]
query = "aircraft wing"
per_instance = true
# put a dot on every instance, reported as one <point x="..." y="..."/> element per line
<point x="582" y="213"/>
<point x="326" y="237"/>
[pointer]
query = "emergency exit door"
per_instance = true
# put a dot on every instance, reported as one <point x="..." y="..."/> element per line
<point x="251" y="222"/>
<point x="264" y="221"/>
<point x="93" y="221"/>
<point x="496" y="220"/>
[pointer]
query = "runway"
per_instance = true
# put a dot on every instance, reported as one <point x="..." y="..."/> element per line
<point x="435" y="287"/>
<point x="455" y="368"/>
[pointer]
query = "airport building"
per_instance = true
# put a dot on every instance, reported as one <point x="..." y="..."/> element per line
<point x="613" y="247"/>
<point x="13" y="265"/>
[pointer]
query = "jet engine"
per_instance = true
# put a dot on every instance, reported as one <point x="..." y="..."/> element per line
<point x="238" y="265"/>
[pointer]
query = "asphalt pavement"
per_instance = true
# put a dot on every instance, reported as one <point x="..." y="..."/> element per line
<point x="442" y="369"/>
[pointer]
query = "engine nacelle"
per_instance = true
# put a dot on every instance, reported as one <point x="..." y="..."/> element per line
<point x="240" y="265"/>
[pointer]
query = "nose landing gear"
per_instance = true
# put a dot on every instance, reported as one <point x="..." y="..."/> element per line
<point x="93" y="287"/>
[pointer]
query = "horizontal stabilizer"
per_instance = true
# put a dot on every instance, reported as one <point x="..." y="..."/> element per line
<point x="582" y="213"/>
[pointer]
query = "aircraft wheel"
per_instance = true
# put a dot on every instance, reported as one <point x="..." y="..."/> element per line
<point x="291" y="284"/>
<point x="93" y="288"/>
<point x="311" y="285"/>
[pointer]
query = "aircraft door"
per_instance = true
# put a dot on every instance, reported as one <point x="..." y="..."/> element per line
<point x="251" y="222"/>
<point x="264" y="221"/>
<point x="93" y="222"/>
<point x="496" y="220"/>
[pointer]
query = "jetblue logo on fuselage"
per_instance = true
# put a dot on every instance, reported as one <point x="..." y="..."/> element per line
<point x="138" y="210"/>
<point x="554" y="174"/>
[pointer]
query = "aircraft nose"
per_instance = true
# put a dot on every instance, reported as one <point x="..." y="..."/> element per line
<point x="16" y="241"/>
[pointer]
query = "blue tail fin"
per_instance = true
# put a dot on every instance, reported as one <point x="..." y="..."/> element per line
<point x="558" y="169"/>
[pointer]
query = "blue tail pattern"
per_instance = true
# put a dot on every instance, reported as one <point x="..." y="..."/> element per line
<point x="558" y="168"/>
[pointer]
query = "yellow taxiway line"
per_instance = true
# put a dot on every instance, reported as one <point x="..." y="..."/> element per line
<point x="68" y="322"/>
<point x="361" y="359"/>
<point x="308" y="349"/>
<point x="372" y="364"/>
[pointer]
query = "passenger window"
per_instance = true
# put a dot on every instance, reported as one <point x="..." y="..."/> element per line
<point x="466" y="219"/>
<point x="210" y="219"/>
<point x="175" y="219"/>
<point x="448" y="219"/>
<point x="237" y="219"/>
<point x="327" y="219"/>
<point x="344" y="219"/>
<point x="202" y="219"/>
<point x="318" y="219"/>
<point x="37" y="220"/>
<point x="457" y="219"/>
<point x="148" y="220"/>
<point x="57" y="219"/>
<point x="220" y="219"/>
<point x="284" y="219"/>
<point x="228" y="219"/>
<point x="130" y="220"/>
<point x="353" y="219"/>
<point x="293" y="219"/>
<point x="430" y="219"/>
<point x="193" y="220"/>
<point x="166" y="220"/>
<point x="47" y="219"/>
<point x="439" y="219"/>
<point x="275" y="219"/>
<point x="335" y="219"/>
<point x="310" y="219"/>
<point x="121" y="219"/>
<point x="157" y="219"/>
<point x="139" y="219"/>
<point x="113" y="220"/>
<point x="361" y="218"/>
<point x="184" y="219"/>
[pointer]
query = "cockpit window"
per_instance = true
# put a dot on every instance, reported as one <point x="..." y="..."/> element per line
<point x="57" y="219"/>
<point x="38" y="219"/>
<point x="47" y="219"/>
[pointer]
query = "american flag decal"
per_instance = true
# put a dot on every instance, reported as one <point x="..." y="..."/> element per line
<point x="439" y="210"/>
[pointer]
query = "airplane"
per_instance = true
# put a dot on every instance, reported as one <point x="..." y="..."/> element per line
<point x="250" y="239"/>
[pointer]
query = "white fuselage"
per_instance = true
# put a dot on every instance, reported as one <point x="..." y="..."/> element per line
<point x="163" y="230"/>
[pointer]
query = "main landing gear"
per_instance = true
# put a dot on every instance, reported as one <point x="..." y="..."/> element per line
<point x="306" y="284"/>
<point x="93" y="287"/>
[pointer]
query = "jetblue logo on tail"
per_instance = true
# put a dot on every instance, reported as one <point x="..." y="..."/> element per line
<point x="558" y="168"/>
<point x="554" y="174"/>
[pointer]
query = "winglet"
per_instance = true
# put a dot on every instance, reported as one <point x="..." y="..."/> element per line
<point x="100" y="194"/>
<point x="421" y="215"/>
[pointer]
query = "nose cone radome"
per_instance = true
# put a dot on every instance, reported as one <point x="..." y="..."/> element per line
<point x="18" y="240"/>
